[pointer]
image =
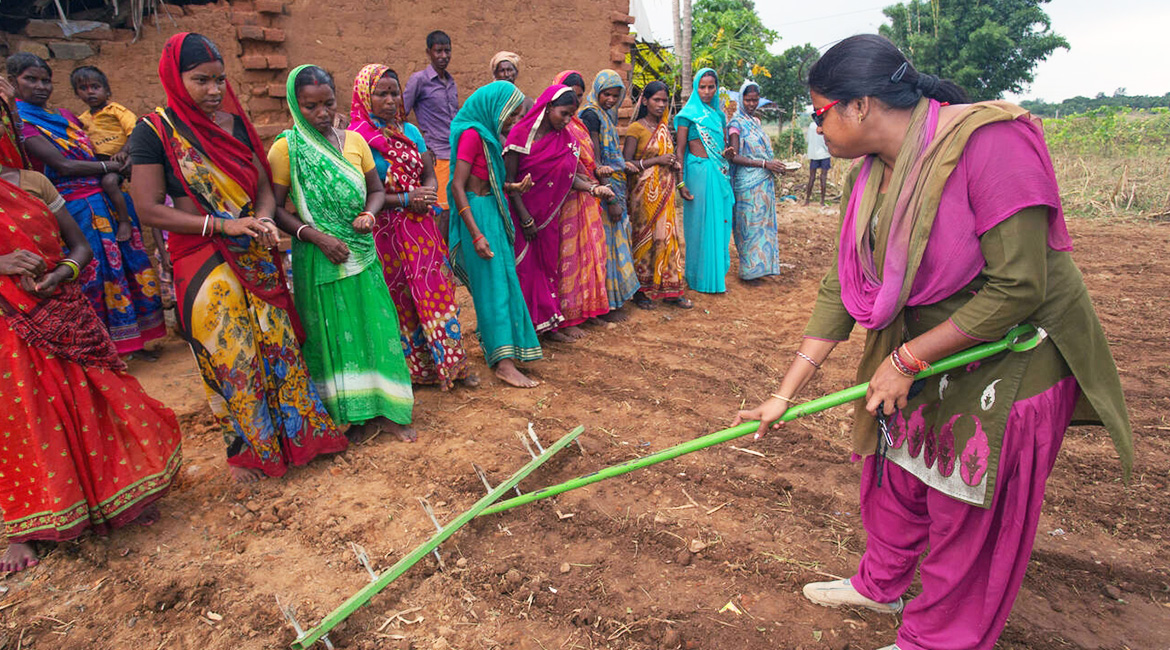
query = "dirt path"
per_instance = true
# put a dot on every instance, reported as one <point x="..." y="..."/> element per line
<point x="606" y="566"/>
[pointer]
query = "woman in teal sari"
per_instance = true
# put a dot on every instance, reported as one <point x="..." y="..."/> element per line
<point x="481" y="238"/>
<point x="750" y="150"/>
<point x="352" y="346"/>
<point x="707" y="211"/>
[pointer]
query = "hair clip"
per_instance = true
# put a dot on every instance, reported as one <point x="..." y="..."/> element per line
<point x="900" y="72"/>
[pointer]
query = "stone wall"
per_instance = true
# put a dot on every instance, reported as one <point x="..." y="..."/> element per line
<point x="262" y="39"/>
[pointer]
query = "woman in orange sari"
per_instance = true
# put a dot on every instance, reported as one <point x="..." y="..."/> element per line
<point x="83" y="445"/>
<point x="583" y="257"/>
<point x="653" y="220"/>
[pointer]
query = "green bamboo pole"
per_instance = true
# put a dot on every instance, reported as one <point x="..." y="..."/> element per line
<point x="1023" y="337"/>
<point x="390" y="575"/>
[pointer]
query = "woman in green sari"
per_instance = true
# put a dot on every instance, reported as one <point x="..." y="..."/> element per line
<point x="352" y="345"/>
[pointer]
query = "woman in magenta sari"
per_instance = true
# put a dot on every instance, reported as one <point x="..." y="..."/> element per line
<point x="413" y="254"/>
<point x="583" y="249"/>
<point x="540" y="147"/>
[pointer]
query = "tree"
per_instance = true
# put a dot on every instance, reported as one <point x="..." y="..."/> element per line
<point x="784" y="84"/>
<point x="730" y="39"/>
<point x="988" y="47"/>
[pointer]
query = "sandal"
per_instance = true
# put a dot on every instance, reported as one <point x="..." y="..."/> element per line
<point x="642" y="301"/>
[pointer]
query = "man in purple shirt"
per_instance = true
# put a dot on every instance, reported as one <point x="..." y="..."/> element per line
<point x="432" y="95"/>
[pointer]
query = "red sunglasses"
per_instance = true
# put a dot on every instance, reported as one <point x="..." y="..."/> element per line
<point x="818" y="116"/>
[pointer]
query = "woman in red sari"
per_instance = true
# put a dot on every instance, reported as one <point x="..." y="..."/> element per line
<point x="413" y="254"/>
<point x="83" y="445"/>
<point x="233" y="305"/>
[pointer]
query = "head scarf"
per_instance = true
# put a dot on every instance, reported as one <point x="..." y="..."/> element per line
<point x="326" y="188"/>
<point x="707" y="118"/>
<point x="228" y="154"/>
<point x="552" y="159"/>
<point x="607" y="137"/>
<point x="485" y="111"/>
<point x="361" y="119"/>
<point x="510" y="57"/>
<point x="63" y="324"/>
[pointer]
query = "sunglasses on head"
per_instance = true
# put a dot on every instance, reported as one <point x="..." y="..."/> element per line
<point x="818" y="116"/>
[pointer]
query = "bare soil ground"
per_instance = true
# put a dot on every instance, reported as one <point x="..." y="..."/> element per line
<point x="607" y="566"/>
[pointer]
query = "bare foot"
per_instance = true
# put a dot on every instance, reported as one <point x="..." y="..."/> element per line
<point x="574" y="333"/>
<point x="359" y="433"/>
<point x="18" y="557"/>
<point x="681" y="302"/>
<point x="149" y="517"/>
<point x="404" y="432"/>
<point x="470" y="381"/>
<point x="616" y="316"/>
<point x="557" y="337"/>
<point x="246" y="474"/>
<point x="506" y="370"/>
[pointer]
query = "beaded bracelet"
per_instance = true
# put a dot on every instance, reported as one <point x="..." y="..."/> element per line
<point x="919" y="364"/>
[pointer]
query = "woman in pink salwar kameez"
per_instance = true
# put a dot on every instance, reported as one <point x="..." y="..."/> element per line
<point x="952" y="233"/>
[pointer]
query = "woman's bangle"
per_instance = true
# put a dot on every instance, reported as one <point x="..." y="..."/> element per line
<point x="528" y="224"/>
<point x="366" y="213"/>
<point x="783" y="398"/>
<point x="105" y="169"/>
<point x="464" y="209"/>
<point x="206" y="219"/>
<point x="475" y="240"/>
<point x="73" y="266"/>
<point x="761" y="163"/>
<point x="298" y="234"/>
<point x="642" y="164"/>
<point x="914" y="362"/>
<point x="681" y="184"/>
<point x="900" y="366"/>
<point x="809" y="359"/>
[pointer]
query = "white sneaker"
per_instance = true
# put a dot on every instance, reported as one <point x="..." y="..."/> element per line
<point x="840" y="592"/>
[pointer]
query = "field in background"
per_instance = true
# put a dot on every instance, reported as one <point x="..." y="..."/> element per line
<point x="1113" y="162"/>
<point x="1110" y="163"/>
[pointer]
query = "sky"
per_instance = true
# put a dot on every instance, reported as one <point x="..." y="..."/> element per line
<point x="1115" y="44"/>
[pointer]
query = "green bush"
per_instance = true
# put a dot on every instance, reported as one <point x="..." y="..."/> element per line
<point x="789" y="144"/>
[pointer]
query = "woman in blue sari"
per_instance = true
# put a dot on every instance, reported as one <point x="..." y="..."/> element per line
<point x="752" y="165"/>
<point x="706" y="189"/>
<point x="120" y="283"/>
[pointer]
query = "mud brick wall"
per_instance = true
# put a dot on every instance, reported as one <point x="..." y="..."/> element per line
<point x="262" y="39"/>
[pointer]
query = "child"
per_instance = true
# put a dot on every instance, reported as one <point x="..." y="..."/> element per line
<point x="108" y="125"/>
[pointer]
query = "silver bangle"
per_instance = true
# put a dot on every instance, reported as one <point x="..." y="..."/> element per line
<point x="809" y="359"/>
<point x="206" y="218"/>
<point x="105" y="169"/>
<point x="303" y="226"/>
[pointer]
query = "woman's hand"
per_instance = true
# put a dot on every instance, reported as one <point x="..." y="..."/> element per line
<point x="614" y="209"/>
<point x="364" y="223"/>
<point x="333" y="248"/>
<point x="125" y="230"/>
<point x="523" y="186"/>
<point x="262" y="230"/>
<point x="22" y="262"/>
<point x="48" y="284"/>
<point x="604" y="171"/>
<point x="686" y="194"/>
<point x="768" y="413"/>
<point x="422" y="198"/>
<point x="530" y="231"/>
<point x="481" y="247"/>
<point x="675" y="163"/>
<point x="631" y="168"/>
<point x="775" y="166"/>
<point x="888" y="388"/>
<point x="602" y="192"/>
<point x="729" y="152"/>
